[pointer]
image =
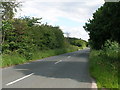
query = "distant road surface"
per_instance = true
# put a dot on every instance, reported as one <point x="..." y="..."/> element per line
<point x="68" y="70"/>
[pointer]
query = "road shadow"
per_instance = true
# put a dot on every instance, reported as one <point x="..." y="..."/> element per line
<point x="74" y="69"/>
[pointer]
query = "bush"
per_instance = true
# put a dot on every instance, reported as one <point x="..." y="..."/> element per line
<point x="111" y="46"/>
<point x="104" y="65"/>
<point x="22" y="35"/>
<point x="111" y="50"/>
<point x="15" y="58"/>
<point x="103" y="70"/>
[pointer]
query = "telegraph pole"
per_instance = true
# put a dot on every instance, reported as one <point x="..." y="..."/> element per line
<point x="67" y="36"/>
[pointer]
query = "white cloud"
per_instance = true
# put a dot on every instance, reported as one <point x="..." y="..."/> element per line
<point x="77" y="32"/>
<point x="50" y="10"/>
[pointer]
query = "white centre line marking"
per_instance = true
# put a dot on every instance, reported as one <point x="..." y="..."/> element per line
<point x="21" y="69"/>
<point x="58" y="61"/>
<point x="68" y="56"/>
<point x="19" y="79"/>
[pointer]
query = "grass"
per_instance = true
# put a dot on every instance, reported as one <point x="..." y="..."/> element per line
<point x="104" y="68"/>
<point x="15" y="58"/>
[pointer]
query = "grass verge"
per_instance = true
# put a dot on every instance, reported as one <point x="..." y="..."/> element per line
<point x="15" y="58"/>
<point x="104" y="69"/>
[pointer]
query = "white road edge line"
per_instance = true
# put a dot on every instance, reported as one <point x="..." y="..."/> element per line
<point x="19" y="79"/>
<point x="68" y="56"/>
<point x="94" y="85"/>
<point x="58" y="61"/>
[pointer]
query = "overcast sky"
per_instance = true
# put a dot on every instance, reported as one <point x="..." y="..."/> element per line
<point x="70" y="15"/>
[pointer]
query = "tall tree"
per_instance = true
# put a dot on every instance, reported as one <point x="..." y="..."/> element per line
<point x="104" y="25"/>
<point x="9" y="9"/>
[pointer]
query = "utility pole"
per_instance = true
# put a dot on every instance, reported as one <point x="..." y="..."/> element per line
<point x="67" y="35"/>
<point x="1" y="13"/>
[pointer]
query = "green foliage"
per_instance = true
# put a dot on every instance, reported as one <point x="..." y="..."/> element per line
<point x="104" y="25"/>
<point x="104" y="31"/>
<point x="110" y="51"/>
<point x="107" y="62"/>
<point x="24" y="38"/>
<point x="77" y="42"/>
<point x="105" y="73"/>
<point x="15" y="58"/>
<point x="26" y="35"/>
<point x="12" y="59"/>
<point x="31" y="21"/>
<point x="9" y="9"/>
<point x="111" y="46"/>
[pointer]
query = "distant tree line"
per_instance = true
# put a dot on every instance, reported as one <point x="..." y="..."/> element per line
<point x="77" y="42"/>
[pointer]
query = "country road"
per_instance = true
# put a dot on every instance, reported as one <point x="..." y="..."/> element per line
<point x="68" y="70"/>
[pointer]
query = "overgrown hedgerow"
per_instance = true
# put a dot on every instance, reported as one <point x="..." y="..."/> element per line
<point x="104" y="65"/>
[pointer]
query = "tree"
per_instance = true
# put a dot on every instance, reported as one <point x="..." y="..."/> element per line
<point x="77" y="42"/>
<point x="104" y="25"/>
<point x="31" y="21"/>
<point x="9" y="9"/>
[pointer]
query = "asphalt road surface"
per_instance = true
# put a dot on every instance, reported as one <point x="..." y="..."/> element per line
<point x="68" y="70"/>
